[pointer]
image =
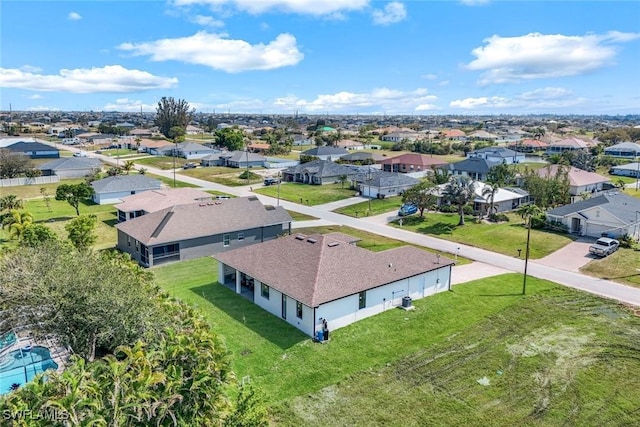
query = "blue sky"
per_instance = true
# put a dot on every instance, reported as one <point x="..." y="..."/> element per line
<point x="319" y="57"/>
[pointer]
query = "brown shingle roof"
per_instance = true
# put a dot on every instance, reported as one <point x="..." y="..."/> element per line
<point x="155" y="200"/>
<point x="414" y="159"/>
<point x="201" y="219"/>
<point x="577" y="177"/>
<point x="317" y="269"/>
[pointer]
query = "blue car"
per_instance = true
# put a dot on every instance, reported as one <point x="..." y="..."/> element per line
<point x="407" y="209"/>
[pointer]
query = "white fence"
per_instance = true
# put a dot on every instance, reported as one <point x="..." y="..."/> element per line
<point x="14" y="182"/>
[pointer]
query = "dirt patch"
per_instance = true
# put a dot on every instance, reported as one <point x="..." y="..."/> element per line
<point x="318" y="403"/>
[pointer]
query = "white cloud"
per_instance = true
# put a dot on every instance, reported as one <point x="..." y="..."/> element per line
<point x="545" y="99"/>
<point x="74" y="16"/>
<point x="220" y="53"/>
<point x="35" y="96"/>
<point x="474" y="2"/>
<point x="535" y="55"/>
<point x="392" y="13"/>
<point x="429" y="76"/>
<point x="444" y="83"/>
<point x="126" y="104"/>
<point x="382" y="99"/>
<point x="43" y="108"/>
<point x="110" y="78"/>
<point x="207" y="21"/>
<point x="303" y="7"/>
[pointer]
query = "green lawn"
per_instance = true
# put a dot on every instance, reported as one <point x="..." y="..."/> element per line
<point x="60" y="213"/>
<point x="297" y="216"/>
<point x="224" y="175"/>
<point x="33" y="190"/>
<point x="307" y="194"/>
<point x="163" y="162"/>
<point x="554" y="357"/>
<point x="505" y="238"/>
<point x="378" y="206"/>
<point x="621" y="266"/>
<point x="123" y="153"/>
<point x="169" y="181"/>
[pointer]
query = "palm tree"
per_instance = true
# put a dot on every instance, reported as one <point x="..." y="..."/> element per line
<point x="10" y="202"/>
<point x="490" y="189"/>
<point x="528" y="212"/>
<point x="460" y="190"/>
<point x="128" y="166"/>
<point x="342" y="179"/>
<point x="17" y="221"/>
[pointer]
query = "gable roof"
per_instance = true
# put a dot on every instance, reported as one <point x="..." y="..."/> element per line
<point x="619" y="205"/>
<point x="577" y="177"/>
<point x="192" y="146"/>
<point x="241" y="156"/>
<point x="630" y="147"/>
<point x="571" y="142"/>
<point x="71" y="163"/>
<point x="317" y="269"/>
<point x="113" y="184"/>
<point x="322" y="168"/>
<point x="201" y="219"/>
<point x="23" y="147"/>
<point x="155" y="200"/>
<point x="472" y="164"/>
<point x="382" y="179"/>
<point x="324" y="151"/>
<point x="414" y="159"/>
<point x="362" y="155"/>
<point x="502" y="152"/>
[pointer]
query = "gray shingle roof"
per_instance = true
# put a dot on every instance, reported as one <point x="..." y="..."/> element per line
<point x="619" y="205"/>
<point x="22" y="147"/>
<point x="119" y="183"/>
<point x="201" y="219"/>
<point x="71" y="163"/>
<point x="383" y="179"/>
<point x="324" y="151"/>
<point x="155" y="200"/>
<point x="322" y="168"/>
<point x="496" y="152"/>
<point x="318" y="269"/>
<point x="241" y="156"/>
<point x="472" y="164"/>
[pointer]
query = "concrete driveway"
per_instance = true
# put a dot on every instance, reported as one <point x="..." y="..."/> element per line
<point x="571" y="257"/>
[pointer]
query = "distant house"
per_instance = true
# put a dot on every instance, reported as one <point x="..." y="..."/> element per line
<point x="35" y="150"/>
<point x="580" y="181"/>
<point x="142" y="133"/>
<point x="317" y="172"/>
<point x="349" y="144"/>
<point x="411" y="162"/>
<point x="362" y="158"/>
<point x="157" y="200"/>
<point x="302" y="140"/>
<point x="194" y="130"/>
<point x="498" y="155"/>
<point x="568" y="144"/>
<point x="192" y="150"/>
<point x="317" y="279"/>
<point x="380" y="184"/>
<point x="482" y="135"/>
<point x="628" y="150"/>
<point x="258" y="147"/>
<point x="112" y="189"/>
<point x="611" y="213"/>
<point x="504" y="199"/>
<point x="125" y="125"/>
<point x="630" y="169"/>
<point x="402" y="136"/>
<point x="475" y="168"/>
<point x="326" y="153"/>
<point x="188" y="231"/>
<point x="528" y="146"/>
<point x="454" y="135"/>
<point x="71" y="167"/>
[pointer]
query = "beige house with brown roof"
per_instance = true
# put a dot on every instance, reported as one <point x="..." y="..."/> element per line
<point x="580" y="181"/>
<point x="199" y="229"/>
<point x="156" y="200"/>
<point x="304" y="279"/>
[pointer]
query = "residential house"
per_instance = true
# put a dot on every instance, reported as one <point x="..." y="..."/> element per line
<point x="630" y="169"/>
<point x="71" y="167"/>
<point x="475" y="168"/>
<point x="611" y="213"/>
<point x="193" y="230"/>
<point x="482" y="135"/>
<point x="258" y="147"/>
<point x="567" y="144"/>
<point x="498" y="155"/>
<point x="194" y="130"/>
<point x="317" y="172"/>
<point x="505" y="199"/>
<point x="580" y="181"/>
<point x="454" y="135"/>
<point x="326" y="153"/>
<point x="380" y="184"/>
<point x="192" y="150"/>
<point x="302" y="140"/>
<point x="156" y="200"/>
<point x="528" y="146"/>
<point x="402" y="136"/>
<point x="112" y="189"/>
<point x="349" y="144"/>
<point x="627" y="150"/>
<point x="35" y="150"/>
<point x="141" y="133"/>
<point x="242" y="159"/>
<point x="149" y="145"/>
<point x="305" y="279"/>
<point x="362" y="158"/>
<point x="411" y="162"/>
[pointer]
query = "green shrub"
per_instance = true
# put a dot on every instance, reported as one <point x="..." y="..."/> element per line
<point x="538" y="222"/>
<point x="626" y="241"/>
<point x="498" y="217"/>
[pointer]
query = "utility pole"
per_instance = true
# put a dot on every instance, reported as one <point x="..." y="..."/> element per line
<point x="526" y="257"/>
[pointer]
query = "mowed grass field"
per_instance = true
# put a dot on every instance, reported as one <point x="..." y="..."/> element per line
<point x="505" y="238"/>
<point x="479" y="355"/>
<point x="307" y="194"/>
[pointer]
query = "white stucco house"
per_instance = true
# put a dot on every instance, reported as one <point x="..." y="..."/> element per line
<point x="112" y="189"/>
<point x="304" y="279"/>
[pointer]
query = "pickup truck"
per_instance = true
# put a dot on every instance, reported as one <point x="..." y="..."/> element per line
<point x="604" y="246"/>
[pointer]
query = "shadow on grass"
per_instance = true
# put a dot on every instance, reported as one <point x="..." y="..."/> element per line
<point x="110" y="222"/>
<point x="243" y="311"/>
<point x="55" y="219"/>
<point x="437" y="229"/>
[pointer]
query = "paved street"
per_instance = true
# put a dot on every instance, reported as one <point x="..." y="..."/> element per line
<point x="563" y="271"/>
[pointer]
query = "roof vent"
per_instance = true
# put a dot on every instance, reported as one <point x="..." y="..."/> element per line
<point x="252" y="198"/>
<point x="333" y="244"/>
<point x="299" y="237"/>
<point x="311" y="240"/>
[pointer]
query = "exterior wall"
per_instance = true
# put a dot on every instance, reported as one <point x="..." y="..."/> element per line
<point x="115" y="197"/>
<point x="74" y="173"/>
<point x="127" y="245"/>
<point x="345" y="311"/>
<point x="624" y="172"/>
<point x="274" y="306"/>
<point x="593" y="222"/>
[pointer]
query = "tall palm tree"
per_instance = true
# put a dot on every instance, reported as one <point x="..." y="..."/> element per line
<point x="10" y="202"/>
<point x="490" y="190"/>
<point x="128" y="166"/>
<point x="17" y="221"/>
<point x="528" y="212"/>
<point x="460" y="190"/>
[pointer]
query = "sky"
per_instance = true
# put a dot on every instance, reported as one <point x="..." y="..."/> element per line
<point x="331" y="57"/>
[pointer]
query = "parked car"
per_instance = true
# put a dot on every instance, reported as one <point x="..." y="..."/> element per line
<point x="271" y="181"/>
<point x="604" y="246"/>
<point x="189" y="165"/>
<point x="79" y="154"/>
<point x="407" y="209"/>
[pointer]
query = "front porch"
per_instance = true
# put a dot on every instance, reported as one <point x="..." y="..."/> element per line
<point x="238" y="282"/>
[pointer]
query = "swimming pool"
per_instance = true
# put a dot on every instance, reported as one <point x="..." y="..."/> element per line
<point x="20" y="366"/>
<point x="7" y="339"/>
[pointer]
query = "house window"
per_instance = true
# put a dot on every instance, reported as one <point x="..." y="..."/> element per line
<point x="264" y="291"/>
<point x="240" y="237"/>
<point x="225" y="240"/>
<point x="299" y="309"/>
<point x="129" y="241"/>
<point x="137" y="246"/>
<point x="362" y="299"/>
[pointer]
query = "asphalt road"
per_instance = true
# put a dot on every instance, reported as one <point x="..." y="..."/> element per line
<point x="604" y="288"/>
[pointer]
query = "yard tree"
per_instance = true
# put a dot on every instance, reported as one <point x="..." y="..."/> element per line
<point x="128" y="166"/>
<point x="82" y="231"/>
<point x="459" y="191"/>
<point x="74" y="194"/>
<point x="502" y="174"/>
<point x="231" y="138"/>
<point x="10" y="202"/>
<point x="490" y="190"/>
<point x="172" y="112"/>
<point x="17" y="221"/>
<point x="36" y="234"/>
<point x="13" y="164"/>
<point x="528" y="213"/>
<point x="550" y="190"/>
<point x="342" y="179"/>
<point x="420" y="195"/>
